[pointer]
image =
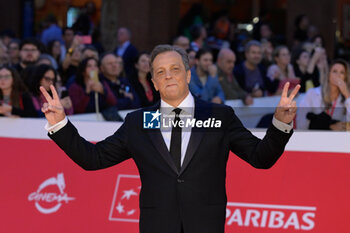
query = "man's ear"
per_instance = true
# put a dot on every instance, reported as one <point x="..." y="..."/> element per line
<point x="188" y="76"/>
<point x="155" y="84"/>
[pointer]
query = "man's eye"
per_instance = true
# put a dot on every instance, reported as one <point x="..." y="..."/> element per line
<point x="160" y="72"/>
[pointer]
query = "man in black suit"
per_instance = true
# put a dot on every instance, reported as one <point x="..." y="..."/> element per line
<point x="126" y="50"/>
<point x="182" y="171"/>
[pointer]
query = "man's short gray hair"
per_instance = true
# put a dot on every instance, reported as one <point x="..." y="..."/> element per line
<point x="250" y="44"/>
<point x="168" y="48"/>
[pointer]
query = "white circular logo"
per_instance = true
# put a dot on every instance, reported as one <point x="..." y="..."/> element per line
<point x="50" y="197"/>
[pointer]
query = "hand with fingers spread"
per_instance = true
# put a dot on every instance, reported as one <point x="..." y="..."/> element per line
<point x="287" y="107"/>
<point x="53" y="109"/>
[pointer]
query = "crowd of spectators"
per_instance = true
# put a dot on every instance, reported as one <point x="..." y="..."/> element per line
<point x="226" y="63"/>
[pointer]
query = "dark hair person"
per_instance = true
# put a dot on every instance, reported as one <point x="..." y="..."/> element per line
<point x="86" y="85"/>
<point x="45" y="75"/>
<point x="141" y="81"/>
<point x="14" y="99"/>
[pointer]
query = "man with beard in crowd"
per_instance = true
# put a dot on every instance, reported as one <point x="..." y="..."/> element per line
<point x="29" y="54"/>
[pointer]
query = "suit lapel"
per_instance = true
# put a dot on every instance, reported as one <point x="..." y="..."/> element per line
<point x="200" y="113"/>
<point x="158" y="141"/>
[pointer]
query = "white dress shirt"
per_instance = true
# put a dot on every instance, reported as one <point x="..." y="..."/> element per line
<point x="187" y="107"/>
<point x="122" y="48"/>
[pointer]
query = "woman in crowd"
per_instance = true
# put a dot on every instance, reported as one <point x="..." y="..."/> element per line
<point x="327" y="106"/>
<point x="54" y="49"/>
<point x="141" y="81"/>
<point x="301" y="64"/>
<point x="86" y="84"/>
<point x="45" y="75"/>
<point x="282" y="70"/>
<point x="14" y="99"/>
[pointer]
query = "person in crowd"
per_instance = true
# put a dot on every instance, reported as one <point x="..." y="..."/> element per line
<point x="198" y="34"/>
<point x="302" y="24"/>
<point x="219" y="34"/>
<point x="262" y="31"/>
<point x="232" y="90"/>
<point x="327" y="107"/>
<point x="52" y="32"/>
<point x="312" y="32"/>
<point x="204" y="79"/>
<point x="282" y="70"/>
<point x="318" y="40"/>
<point x="14" y="98"/>
<point x="67" y="37"/>
<point x="318" y="66"/>
<point x="48" y="60"/>
<point x="54" y="49"/>
<point x="126" y="49"/>
<point x="87" y="83"/>
<point x="4" y="57"/>
<point x="141" y="81"/>
<point x="182" y="42"/>
<point x="251" y="74"/>
<point x="13" y="51"/>
<point x="45" y="75"/>
<point x="191" y="57"/>
<point x="300" y="64"/>
<point x="89" y="51"/>
<point x="112" y="71"/>
<point x="267" y="50"/>
<point x="29" y="53"/>
<point x="6" y="36"/>
<point x="71" y="62"/>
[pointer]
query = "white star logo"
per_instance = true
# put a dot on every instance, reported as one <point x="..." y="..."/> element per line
<point x="128" y="194"/>
<point x="131" y="212"/>
<point x="156" y="115"/>
<point x="120" y="208"/>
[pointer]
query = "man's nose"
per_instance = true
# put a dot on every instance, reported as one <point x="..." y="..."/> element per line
<point x="168" y="74"/>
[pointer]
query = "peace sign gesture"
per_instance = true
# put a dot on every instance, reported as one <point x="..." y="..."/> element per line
<point x="53" y="109"/>
<point x="287" y="107"/>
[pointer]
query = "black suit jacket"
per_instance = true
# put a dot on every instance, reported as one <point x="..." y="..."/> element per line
<point x="129" y="58"/>
<point x="195" y="197"/>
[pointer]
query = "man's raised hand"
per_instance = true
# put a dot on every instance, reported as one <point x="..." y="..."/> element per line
<point x="53" y="109"/>
<point x="287" y="107"/>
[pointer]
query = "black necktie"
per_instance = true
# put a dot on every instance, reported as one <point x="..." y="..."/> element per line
<point x="175" y="143"/>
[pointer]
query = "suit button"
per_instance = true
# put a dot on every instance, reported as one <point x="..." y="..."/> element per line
<point x="180" y="181"/>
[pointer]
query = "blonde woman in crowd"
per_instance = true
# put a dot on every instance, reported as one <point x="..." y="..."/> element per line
<point x="327" y="106"/>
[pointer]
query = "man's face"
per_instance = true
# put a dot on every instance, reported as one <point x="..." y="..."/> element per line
<point x="68" y="36"/>
<point x="13" y="50"/>
<point x="170" y="77"/>
<point x="204" y="62"/>
<point x="227" y="63"/>
<point x="110" y="66"/>
<point x="123" y="35"/>
<point x="29" y="54"/>
<point x="254" y="55"/>
<point x="183" y="42"/>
